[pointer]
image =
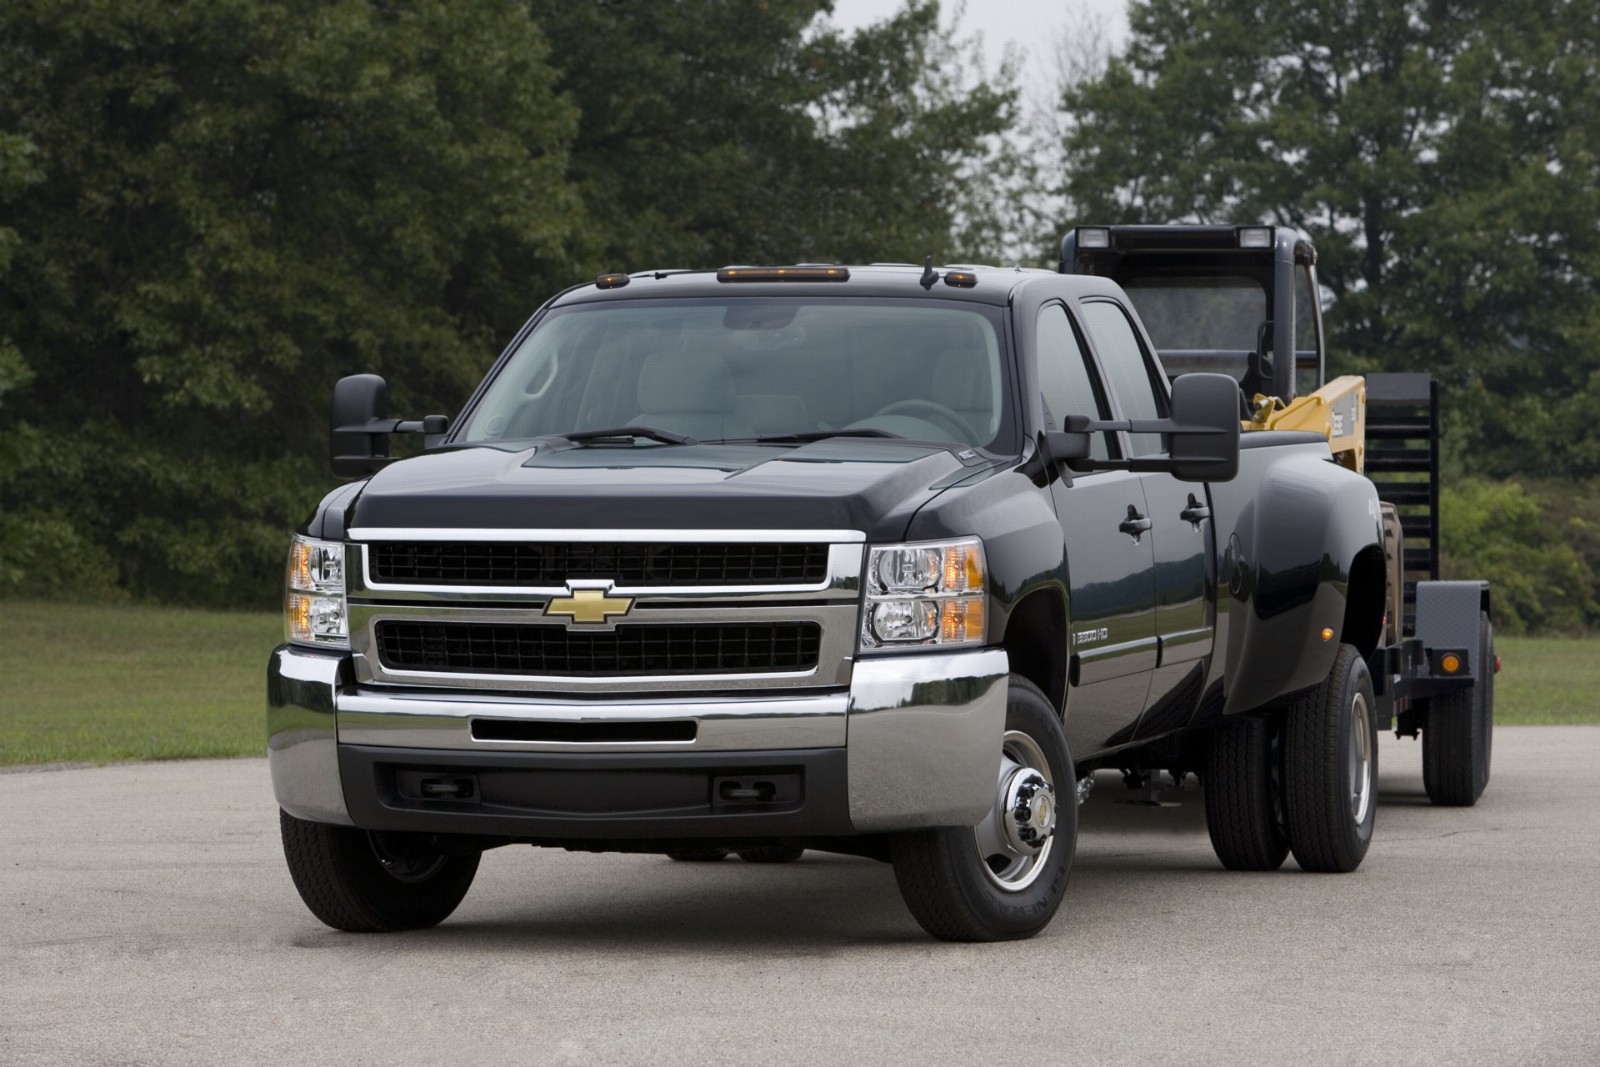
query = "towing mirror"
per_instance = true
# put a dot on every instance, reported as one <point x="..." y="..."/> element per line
<point x="360" y="426"/>
<point x="1203" y="433"/>
<point x="1206" y="449"/>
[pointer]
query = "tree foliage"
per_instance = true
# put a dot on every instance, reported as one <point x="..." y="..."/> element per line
<point x="1444" y="155"/>
<point x="1538" y="545"/>
<point x="212" y="209"/>
<point x="718" y="131"/>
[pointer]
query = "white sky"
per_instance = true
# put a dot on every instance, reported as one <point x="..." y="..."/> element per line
<point x="1033" y="26"/>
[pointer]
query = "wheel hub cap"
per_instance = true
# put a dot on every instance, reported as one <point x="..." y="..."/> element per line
<point x="1030" y="811"/>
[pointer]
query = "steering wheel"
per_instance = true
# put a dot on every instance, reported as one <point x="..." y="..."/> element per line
<point x="942" y="416"/>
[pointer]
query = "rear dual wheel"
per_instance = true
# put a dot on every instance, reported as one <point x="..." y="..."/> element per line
<point x="1305" y="779"/>
<point x="1330" y="768"/>
<point x="1243" y="794"/>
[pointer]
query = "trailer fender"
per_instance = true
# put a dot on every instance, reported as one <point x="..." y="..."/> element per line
<point x="1448" y="616"/>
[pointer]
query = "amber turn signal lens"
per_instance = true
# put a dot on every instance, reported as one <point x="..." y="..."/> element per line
<point x="1450" y="664"/>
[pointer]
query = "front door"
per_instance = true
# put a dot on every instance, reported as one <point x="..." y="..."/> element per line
<point x="1110" y="558"/>
<point x="1110" y="562"/>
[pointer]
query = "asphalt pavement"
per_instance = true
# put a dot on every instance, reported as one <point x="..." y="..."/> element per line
<point x="146" y="917"/>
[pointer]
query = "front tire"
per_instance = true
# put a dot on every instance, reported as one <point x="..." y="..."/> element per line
<point x="1244" y="806"/>
<point x="1331" y="768"/>
<point x="365" y="882"/>
<point x="1459" y="732"/>
<point x="1004" y="878"/>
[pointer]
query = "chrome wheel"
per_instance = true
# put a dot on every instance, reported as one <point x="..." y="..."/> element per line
<point x="1359" y="773"/>
<point x="1015" y="838"/>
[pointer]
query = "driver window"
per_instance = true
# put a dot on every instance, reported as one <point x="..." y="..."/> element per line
<point x="1065" y="378"/>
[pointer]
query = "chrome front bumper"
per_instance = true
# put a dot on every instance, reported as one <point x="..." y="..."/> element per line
<point x="921" y="733"/>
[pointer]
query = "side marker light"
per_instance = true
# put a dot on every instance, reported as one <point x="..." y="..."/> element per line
<point x="1450" y="664"/>
<point x="1327" y="633"/>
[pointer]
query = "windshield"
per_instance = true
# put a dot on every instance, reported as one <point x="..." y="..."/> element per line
<point x="1200" y="323"/>
<point x="748" y="367"/>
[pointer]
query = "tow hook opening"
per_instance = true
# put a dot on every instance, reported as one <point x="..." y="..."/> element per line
<point x="438" y="785"/>
<point x="762" y="789"/>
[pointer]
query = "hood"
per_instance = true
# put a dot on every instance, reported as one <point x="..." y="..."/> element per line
<point x="839" y="484"/>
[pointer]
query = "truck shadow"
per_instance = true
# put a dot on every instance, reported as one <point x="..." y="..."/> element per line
<point x="606" y="907"/>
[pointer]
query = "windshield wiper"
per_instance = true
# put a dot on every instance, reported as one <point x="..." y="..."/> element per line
<point x="628" y="433"/>
<point x="813" y="435"/>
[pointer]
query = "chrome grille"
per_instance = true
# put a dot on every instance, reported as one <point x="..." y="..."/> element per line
<point x="630" y="650"/>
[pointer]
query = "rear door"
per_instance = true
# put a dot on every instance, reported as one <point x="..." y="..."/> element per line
<point x="1109" y="555"/>
<point x="1180" y="526"/>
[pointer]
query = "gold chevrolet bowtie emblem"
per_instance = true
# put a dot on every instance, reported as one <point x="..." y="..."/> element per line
<point x="589" y="605"/>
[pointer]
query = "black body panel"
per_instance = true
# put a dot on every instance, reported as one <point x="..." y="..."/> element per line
<point x="1289" y="528"/>
<point x="845" y="484"/>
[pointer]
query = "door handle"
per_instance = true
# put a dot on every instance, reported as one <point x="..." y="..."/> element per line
<point x="1195" y="513"/>
<point x="1135" y="525"/>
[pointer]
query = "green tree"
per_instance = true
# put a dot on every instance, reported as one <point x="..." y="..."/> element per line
<point x="1443" y="154"/>
<point x="227" y="205"/>
<point x="1536" y="549"/>
<point x="722" y="131"/>
<point x="212" y="210"/>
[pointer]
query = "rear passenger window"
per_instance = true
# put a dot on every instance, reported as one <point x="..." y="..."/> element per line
<point x="1065" y="378"/>
<point x="1126" y="366"/>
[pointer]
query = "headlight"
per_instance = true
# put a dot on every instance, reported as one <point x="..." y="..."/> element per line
<point x="924" y="594"/>
<point x="314" y="608"/>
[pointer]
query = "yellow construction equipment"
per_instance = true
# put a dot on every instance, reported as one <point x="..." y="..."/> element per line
<point x="1338" y="411"/>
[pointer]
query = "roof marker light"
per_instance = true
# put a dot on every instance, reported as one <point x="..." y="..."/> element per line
<point x="1255" y="237"/>
<point x="1094" y="237"/>
<point x="961" y="279"/>
<point x="611" y="281"/>
<point x="783" y="274"/>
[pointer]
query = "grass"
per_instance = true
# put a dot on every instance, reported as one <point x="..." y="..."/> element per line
<point x="98" y="684"/>
<point x="1547" y="680"/>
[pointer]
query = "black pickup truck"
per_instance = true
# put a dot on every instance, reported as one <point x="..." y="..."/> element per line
<point x="879" y="560"/>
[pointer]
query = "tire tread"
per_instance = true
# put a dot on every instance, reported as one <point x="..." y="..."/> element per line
<point x="1313" y="787"/>
<point x="1245" y="832"/>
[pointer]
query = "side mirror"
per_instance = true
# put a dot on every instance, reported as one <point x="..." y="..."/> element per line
<point x="360" y="426"/>
<point x="359" y="437"/>
<point x="1203" y="433"/>
<point x="1205" y="442"/>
